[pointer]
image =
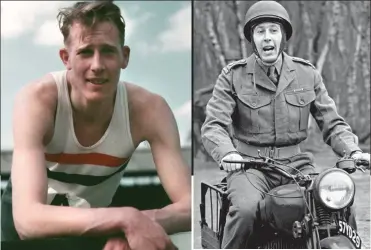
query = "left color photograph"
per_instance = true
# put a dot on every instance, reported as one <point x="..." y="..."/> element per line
<point x="96" y="125"/>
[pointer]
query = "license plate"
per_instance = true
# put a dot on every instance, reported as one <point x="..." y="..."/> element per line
<point x="349" y="232"/>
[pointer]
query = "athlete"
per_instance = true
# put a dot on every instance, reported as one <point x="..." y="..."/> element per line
<point x="74" y="133"/>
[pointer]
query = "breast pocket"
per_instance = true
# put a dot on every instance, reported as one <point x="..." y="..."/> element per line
<point x="254" y="113"/>
<point x="298" y="105"/>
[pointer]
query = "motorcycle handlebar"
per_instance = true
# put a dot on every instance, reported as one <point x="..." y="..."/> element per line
<point x="244" y="161"/>
<point x="249" y="162"/>
<point x="359" y="164"/>
<point x="362" y="163"/>
<point x="253" y="162"/>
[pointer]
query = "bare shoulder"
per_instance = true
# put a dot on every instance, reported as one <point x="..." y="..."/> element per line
<point x="35" y="106"/>
<point x="141" y="99"/>
<point x="149" y="112"/>
<point x="42" y="90"/>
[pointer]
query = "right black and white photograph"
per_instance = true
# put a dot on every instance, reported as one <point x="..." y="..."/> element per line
<point x="281" y="124"/>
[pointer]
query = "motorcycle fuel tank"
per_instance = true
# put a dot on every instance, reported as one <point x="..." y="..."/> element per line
<point x="283" y="209"/>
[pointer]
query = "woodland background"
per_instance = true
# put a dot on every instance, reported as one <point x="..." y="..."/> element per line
<point x="333" y="35"/>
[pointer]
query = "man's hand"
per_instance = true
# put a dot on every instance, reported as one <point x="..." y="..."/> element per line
<point x="231" y="167"/>
<point x="143" y="233"/>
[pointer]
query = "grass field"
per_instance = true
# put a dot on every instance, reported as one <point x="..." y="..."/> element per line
<point x="324" y="158"/>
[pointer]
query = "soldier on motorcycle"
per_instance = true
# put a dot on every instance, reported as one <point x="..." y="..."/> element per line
<point x="268" y="98"/>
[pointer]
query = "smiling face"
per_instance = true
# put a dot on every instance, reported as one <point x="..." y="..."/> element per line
<point x="94" y="58"/>
<point x="267" y="38"/>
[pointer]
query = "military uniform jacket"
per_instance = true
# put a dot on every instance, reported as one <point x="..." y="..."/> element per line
<point x="262" y="114"/>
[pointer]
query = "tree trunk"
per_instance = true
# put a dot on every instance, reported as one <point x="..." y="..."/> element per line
<point x="240" y="24"/>
<point x="366" y="55"/>
<point x="366" y="71"/>
<point x="319" y="30"/>
<point x="307" y="31"/>
<point x="221" y="27"/>
<point x="213" y="37"/>
<point x="351" y="81"/>
<point x="331" y="35"/>
<point x="341" y="33"/>
<point x="207" y="57"/>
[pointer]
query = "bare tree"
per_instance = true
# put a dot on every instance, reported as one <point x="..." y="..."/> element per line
<point x="307" y="30"/>
<point x="213" y="35"/>
<point x="240" y="24"/>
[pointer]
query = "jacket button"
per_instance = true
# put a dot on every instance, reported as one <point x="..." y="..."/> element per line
<point x="253" y="104"/>
<point x="301" y="101"/>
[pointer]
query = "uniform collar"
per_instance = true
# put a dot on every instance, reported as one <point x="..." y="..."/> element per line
<point x="277" y="65"/>
<point x="285" y="63"/>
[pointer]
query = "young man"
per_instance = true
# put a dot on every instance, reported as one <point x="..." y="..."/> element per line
<point x="74" y="133"/>
<point x="268" y="98"/>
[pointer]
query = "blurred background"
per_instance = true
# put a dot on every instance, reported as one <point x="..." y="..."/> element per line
<point x="333" y="35"/>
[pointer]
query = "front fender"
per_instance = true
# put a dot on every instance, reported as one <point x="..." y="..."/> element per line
<point x="336" y="242"/>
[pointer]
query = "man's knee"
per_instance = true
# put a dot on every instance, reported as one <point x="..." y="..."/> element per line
<point x="246" y="214"/>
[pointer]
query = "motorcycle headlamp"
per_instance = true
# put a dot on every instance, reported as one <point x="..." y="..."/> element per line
<point x="334" y="189"/>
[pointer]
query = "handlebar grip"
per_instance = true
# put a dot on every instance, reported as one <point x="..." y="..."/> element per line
<point x="238" y="161"/>
<point x="362" y="163"/>
<point x="246" y="162"/>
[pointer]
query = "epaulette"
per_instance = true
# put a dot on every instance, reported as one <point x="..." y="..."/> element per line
<point x="228" y="68"/>
<point x="303" y="61"/>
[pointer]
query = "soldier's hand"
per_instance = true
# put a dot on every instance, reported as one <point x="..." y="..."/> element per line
<point x="231" y="167"/>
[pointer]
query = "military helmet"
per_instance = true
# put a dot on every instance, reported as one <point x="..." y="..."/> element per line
<point x="267" y="11"/>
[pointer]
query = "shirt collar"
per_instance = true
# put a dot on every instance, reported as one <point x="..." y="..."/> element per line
<point x="278" y="64"/>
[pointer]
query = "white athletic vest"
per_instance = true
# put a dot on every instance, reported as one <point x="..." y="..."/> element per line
<point x="86" y="176"/>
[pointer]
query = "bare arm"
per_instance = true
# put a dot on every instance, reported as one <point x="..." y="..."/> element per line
<point x="162" y="133"/>
<point x="32" y="122"/>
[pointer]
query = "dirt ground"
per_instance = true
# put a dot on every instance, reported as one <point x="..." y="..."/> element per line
<point x="324" y="158"/>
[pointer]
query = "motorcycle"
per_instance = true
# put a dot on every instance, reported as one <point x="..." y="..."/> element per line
<point x="314" y="212"/>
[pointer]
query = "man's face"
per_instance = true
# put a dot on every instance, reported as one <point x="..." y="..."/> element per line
<point x="95" y="58"/>
<point x="267" y="37"/>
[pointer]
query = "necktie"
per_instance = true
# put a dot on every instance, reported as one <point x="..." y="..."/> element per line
<point x="273" y="75"/>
